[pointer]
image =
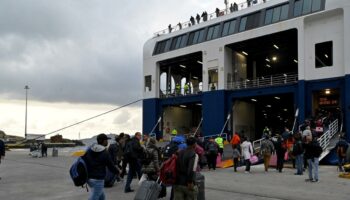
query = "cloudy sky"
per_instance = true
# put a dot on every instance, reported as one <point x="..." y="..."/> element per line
<point x="80" y="58"/>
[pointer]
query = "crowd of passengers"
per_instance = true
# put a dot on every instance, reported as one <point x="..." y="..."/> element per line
<point x="302" y="148"/>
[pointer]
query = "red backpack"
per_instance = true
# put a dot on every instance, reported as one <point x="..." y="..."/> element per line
<point x="168" y="171"/>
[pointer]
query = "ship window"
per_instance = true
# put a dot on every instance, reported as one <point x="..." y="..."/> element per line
<point x="316" y="5"/>
<point x="268" y="16"/>
<point x="297" y="8"/>
<point x="213" y="32"/>
<point x="177" y="42"/>
<point x="307" y="6"/>
<point x="284" y="12"/>
<point x="324" y="54"/>
<point x="229" y="28"/>
<point x="161" y="46"/>
<point x="276" y="14"/>
<point x="148" y="83"/>
<point x="196" y="37"/>
<point x="242" y="24"/>
<point x="253" y="21"/>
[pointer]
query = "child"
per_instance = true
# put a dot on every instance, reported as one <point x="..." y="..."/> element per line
<point x="236" y="155"/>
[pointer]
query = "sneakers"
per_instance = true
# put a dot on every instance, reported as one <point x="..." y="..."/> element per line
<point x="308" y="180"/>
<point x="315" y="181"/>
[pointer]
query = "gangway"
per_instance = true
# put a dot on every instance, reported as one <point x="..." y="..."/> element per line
<point x="328" y="139"/>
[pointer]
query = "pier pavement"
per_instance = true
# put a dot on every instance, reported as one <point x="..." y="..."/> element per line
<point x="29" y="178"/>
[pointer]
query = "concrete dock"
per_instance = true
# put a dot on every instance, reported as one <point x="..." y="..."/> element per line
<point x="29" y="178"/>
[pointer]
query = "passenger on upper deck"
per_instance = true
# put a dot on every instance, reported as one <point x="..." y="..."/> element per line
<point x="217" y="12"/>
<point x="170" y="28"/>
<point x="180" y="25"/>
<point x="192" y="20"/>
<point x="205" y="16"/>
<point x="198" y="18"/>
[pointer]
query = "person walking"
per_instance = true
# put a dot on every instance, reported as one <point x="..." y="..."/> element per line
<point x="266" y="150"/>
<point x="247" y="152"/>
<point x="133" y="153"/>
<point x="186" y="165"/>
<point x="313" y="151"/>
<point x="220" y="141"/>
<point x="236" y="156"/>
<point x="341" y="148"/>
<point x="2" y="150"/>
<point x="280" y="151"/>
<point x="97" y="159"/>
<point x="211" y="150"/>
<point x="297" y="152"/>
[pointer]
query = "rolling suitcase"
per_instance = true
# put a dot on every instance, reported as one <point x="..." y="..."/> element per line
<point x="149" y="190"/>
<point x="200" y="179"/>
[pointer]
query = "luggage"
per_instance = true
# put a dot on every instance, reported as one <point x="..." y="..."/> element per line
<point x="200" y="182"/>
<point x="149" y="190"/>
<point x="110" y="178"/>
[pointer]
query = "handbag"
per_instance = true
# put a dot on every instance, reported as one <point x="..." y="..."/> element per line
<point x="253" y="159"/>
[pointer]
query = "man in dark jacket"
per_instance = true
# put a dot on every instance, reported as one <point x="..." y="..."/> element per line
<point x="186" y="166"/>
<point x="2" y="150"/>
<point x="97" y="159"/>
<point x="313" y="151"/>
<point x="133" y="152"/>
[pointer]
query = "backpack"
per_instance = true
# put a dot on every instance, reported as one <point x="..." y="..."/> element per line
<point x="212" y="148"/>
<point x="78" y="172"/>
<point x="128" y="149"/>
<point x="147" y="157"/>
<point x="168" y="171"/>
<point x="170" y="149"/>
<point x="265" y="148"/>
<point x="297" y="148"/>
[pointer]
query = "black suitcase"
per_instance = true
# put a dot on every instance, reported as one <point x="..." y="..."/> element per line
<point x="200" y="180"/>
<point x="149" y="190"/>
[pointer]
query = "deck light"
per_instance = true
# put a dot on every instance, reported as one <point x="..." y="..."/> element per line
<point x="274" y="58"/>
<point x="183" y="106"/>
<point x="276" y="46"/>
<point x="267" y="65"/>
<point x="325" y="55"/>
<point x="195" y="77"/>
<point x="277" y="98"/>
<point x="295" y="61"/>
<point x="245" y="53"/>
<point x="198" y="104"/>
<point x="199" y="62"/>
<point x="327" y="91"/>
<point x="268" y="106"/>
<point x="183" y="66"/>
<point x="285" y="75"/>
<point x="285" y="110"/>
<point x="268" y="60"/>
<point x="254" y="100"/>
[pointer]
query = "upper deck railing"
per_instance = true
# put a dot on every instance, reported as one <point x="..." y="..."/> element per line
<point x="264" y="81"/>
<point x="208" y="17"/>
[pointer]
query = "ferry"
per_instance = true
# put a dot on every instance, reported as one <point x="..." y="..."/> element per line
<point x="272" y="63"/>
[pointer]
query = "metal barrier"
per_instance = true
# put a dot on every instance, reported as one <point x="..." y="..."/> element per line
<point x="324" y="140"/>
<point x="264" y="81"/>
<point x="174" y="93"/>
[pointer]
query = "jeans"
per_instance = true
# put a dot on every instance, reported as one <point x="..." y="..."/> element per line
<point x="341" y="161"/>
<point x="299" y="163"/>
<point x="247" y="165"/>
<point x="97" y="192"/>
<point x="313" y="168"/>
<point x="134" y="167"/>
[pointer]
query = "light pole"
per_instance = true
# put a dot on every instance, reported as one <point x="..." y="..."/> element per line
<point x="25" y="126"/>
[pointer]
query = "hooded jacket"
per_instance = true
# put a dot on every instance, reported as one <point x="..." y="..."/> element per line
<point x="97" y="159"/>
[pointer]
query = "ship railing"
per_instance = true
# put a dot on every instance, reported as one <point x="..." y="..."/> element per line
<point x="179" y="92"/>
<point x="211" y="16"/>
<point x="264" y="81"/>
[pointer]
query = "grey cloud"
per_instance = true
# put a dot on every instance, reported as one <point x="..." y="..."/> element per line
<point x="79" y="51"/>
